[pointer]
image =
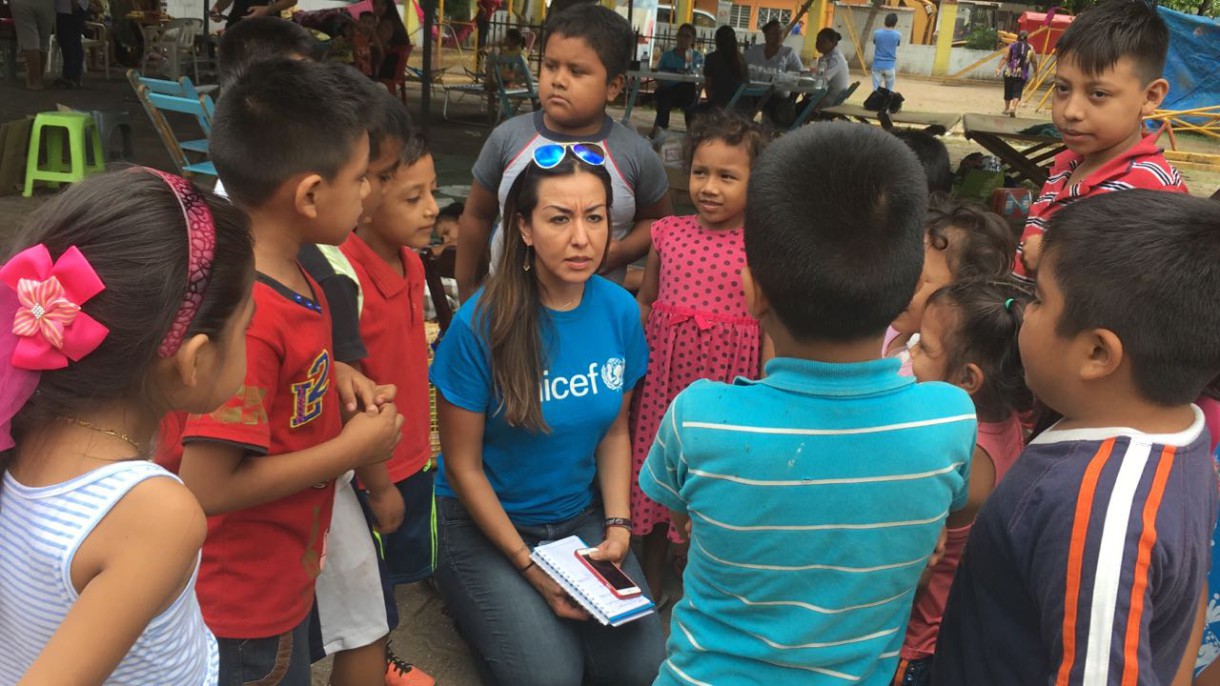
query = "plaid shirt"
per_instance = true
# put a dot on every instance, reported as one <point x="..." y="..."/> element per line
<point x="1141" y="166"/>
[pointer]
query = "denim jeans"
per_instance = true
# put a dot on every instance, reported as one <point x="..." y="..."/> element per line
<point x="884" y="77"/>
<point x="509" y="624"/>
<point x="276" y="660"/>
<point x="916" y="672"/>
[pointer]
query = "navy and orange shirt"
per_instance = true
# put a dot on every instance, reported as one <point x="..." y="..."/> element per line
<point x="392" y="327"/>
<point x="1141" y="166"/>
<point x="1086" y="564"/>
<point x="256" y="578"/>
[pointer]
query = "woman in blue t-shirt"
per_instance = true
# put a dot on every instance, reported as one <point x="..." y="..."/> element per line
<point x="534" y="378"/>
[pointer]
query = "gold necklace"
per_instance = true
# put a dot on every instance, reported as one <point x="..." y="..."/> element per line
<point x="108" y="432"/>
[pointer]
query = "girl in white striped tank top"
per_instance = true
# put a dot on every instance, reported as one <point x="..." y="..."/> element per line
<point x="126" y="297"/>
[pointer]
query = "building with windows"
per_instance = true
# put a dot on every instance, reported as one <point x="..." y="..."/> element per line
<point x="752" y="15"/>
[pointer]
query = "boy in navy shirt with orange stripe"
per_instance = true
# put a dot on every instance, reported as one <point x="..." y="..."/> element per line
<point x="1107" y="79"/>
<point x="1088" y="563"/>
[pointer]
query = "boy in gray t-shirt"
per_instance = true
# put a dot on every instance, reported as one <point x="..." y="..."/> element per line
<point x="584" y="61"/>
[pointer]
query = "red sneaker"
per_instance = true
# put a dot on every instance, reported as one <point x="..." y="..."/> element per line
<point x="399" y="672"/>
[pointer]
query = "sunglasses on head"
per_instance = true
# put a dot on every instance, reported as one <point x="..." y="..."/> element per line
<point x="550" y="155"/>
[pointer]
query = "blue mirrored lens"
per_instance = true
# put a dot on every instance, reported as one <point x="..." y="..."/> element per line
<point x="549" y="156"/>
<point x="590" y="154"/>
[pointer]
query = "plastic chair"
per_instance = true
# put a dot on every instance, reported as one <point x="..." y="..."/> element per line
<point x="108" y="123"/>
<point x="153" y="104"/>
<point x="98" y="41"/>
<point x="182" y="88"/>
<point x="82" y="135"/>
<point x="171" y="43"/>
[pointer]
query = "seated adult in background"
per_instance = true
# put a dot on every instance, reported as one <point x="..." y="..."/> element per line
<point x="832" y="66"/>
<point x="534" y="378"/>
<point x="772" y="56"/>
<point x="392" y="35"/>
<point x="724" y="71"/>
<point x="683" y="58"/>
<point x="764" y="62"/>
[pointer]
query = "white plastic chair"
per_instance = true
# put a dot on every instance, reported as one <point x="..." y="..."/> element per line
<point x="171" y="43"/>
<point x="97" y="38"/>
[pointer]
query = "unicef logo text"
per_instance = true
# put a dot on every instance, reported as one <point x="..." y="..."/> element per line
<point x="610" y="375"/>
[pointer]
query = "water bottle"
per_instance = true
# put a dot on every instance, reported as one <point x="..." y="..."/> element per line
<point x="697" y="63"/>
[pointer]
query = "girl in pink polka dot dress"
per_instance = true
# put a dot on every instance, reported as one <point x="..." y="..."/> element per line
<point x="693" y="305"/>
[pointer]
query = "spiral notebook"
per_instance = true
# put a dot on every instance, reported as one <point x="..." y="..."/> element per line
<point x="558" y="559"/>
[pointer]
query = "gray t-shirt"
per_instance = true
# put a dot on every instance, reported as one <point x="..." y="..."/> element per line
<point x="637" y="176"/>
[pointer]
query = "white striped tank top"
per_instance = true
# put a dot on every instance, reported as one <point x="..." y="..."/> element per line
<point x="40" y="532"/>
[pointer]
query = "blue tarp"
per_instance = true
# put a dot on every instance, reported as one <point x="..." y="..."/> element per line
<point x="1193" y="66"/>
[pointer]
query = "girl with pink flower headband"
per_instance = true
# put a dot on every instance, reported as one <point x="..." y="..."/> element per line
<point x="127" y="296"/>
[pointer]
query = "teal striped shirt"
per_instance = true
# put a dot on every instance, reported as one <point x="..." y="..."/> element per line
<point x="816" y="495"/>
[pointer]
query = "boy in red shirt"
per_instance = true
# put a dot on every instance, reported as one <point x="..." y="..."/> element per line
<point x="263" y="466"/>
<point x="383" y="254"/>
<point x="1107" y="80"/>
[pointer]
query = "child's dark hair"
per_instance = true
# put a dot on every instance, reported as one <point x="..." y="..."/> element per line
<point x="981" y="247"/>
<point x="834" y="229"/>
<point x="130" y="227"/>
<point x="367" y="13"/>
<point x="729" y="127"/>
<point x="414" y="148"/>
<point x="987" y="317"/>
<point x="891" y="20"/>
<point x="934" y="156"/>
<point x="1156" y="289"/>
<point x="286" y="117"/>
<point x="510" y="313"/>
<point x="392" y="122"/>
<point x="513" y="35"/>
<point x="259" y="39"/>
<point x="605" y="30"/>
<point x="1113" y="29"/>
<point x="451" y="211"/>
<point x="830" y="34"/>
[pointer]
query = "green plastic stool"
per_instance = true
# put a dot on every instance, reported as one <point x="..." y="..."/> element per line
<point x="82" y="132"/>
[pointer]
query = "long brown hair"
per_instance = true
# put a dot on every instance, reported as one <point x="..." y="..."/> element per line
<point x="510" y="313"/>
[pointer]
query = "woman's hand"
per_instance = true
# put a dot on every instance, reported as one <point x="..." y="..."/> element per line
<point x="615" y="547"/>
<point x="561" y="603"/>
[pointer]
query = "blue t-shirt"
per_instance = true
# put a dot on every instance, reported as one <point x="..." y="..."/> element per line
<point x="672" y="61"/>
<point x="594" y="354"/>
<point x="885" y="52"/>
<point x="815" y="496"/>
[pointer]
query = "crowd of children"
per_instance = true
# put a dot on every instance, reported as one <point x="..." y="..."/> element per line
<point x="882" y="442"/>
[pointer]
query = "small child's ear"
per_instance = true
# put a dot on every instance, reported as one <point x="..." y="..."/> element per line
<point x="756" y="301"/>
<point x="615" y="87"/>
<point x="1154" y="95"/>
<point x="1105" y="355"/>
<point x="185" y="363"/>
<point x="971" y="378"/>
<point x="306" y="195"/>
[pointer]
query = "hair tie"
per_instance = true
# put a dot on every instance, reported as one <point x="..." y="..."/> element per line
<point x="201" y="243"/>
<point x="1008" y="305"/>
<point x="42" y="299"/>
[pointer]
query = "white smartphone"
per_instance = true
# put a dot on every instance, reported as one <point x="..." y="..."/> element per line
<point x="610" y="574"/>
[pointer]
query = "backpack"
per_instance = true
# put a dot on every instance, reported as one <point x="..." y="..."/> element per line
<point x="884" y="100"/>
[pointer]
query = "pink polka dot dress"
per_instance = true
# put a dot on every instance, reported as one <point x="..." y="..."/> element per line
<point x="699" y="329"/>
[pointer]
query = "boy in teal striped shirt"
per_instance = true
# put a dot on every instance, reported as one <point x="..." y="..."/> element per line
<point x="815" y="495"/>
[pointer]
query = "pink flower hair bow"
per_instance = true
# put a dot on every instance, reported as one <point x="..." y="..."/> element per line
<point x="49" y="326"/>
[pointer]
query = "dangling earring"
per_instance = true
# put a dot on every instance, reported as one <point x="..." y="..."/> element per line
<point x="528" y="253"/>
